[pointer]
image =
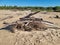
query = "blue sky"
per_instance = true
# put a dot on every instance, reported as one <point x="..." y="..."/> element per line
<point x="30" y="2"/>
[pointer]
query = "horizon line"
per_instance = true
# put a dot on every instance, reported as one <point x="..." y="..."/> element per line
<point x="28" y="6"/>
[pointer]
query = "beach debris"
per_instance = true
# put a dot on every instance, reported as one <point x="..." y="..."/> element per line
<point x="28" y="23"/>
<point x="9" y="17"/>
<point x="56" y="16"/>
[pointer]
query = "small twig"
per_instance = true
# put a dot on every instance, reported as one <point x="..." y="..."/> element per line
<point x="54" y="27"/>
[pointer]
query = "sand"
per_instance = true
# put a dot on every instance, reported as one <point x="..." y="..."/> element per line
<point x="46" y="37"/>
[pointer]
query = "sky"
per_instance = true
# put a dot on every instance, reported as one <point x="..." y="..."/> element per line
<point x="44" y="3"/>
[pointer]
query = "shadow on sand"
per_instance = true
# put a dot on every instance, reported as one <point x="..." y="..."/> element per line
<point x="9" y="28"/>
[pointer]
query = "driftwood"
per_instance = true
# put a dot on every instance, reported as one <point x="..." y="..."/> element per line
<point x="28" y="23"/>
<point x="57" y="16"/>
<point x="31" y="14"/>
<point x="28" y="26"/>
<point x="37" y="25"/>
<point x="9" y="17"/>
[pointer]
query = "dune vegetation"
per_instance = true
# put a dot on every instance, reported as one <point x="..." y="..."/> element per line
<point x="55" y="9"/>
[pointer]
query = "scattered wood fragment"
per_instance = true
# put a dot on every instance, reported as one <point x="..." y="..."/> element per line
<point x="9" y="17"/>
<point x="56" y="16"/>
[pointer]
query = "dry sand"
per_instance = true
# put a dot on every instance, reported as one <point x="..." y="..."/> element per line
<point x="47" y="37"/>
